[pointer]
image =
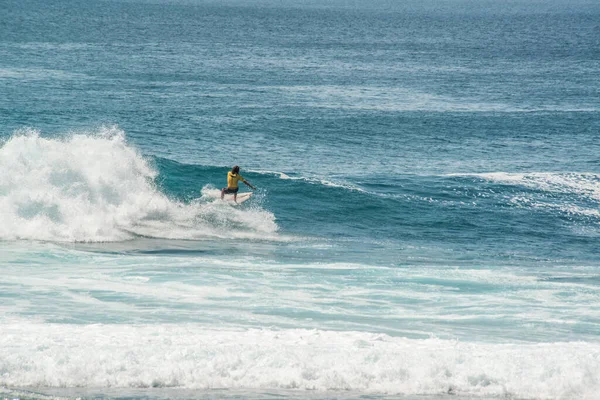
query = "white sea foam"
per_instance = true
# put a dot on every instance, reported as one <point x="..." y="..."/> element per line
<point x="96" y="187"/>
<point x="191" y="356"/>
<point x="581" y="185"/>
<point x="242" y="290"/>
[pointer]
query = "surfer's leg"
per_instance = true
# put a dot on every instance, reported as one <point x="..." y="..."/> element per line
<point x="222" y="193"/>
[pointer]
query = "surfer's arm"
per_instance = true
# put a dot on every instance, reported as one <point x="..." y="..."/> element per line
<point x="249" y="184"/>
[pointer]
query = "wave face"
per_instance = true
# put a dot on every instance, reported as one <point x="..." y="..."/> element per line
<point x="95" y="187"/>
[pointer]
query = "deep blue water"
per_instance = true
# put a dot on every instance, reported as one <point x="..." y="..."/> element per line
<point x="426" y="221"/>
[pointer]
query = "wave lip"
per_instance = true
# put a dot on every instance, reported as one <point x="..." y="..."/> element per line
<point x="95" y="187"/>
<point x="584" y="183"/>
<point x="193" y="357"/>
<point x="573" y="193"/>
<point x="315" y="180"/>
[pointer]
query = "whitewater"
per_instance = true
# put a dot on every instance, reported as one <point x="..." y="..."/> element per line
<point x="95" y="188"/>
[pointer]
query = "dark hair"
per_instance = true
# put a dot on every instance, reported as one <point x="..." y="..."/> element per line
<point x="236" y="170"/>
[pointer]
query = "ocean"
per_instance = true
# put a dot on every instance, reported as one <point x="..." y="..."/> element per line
<point x="426" y="224"/>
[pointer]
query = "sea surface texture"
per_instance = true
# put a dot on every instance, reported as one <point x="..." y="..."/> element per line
<point x="426" y="223"/>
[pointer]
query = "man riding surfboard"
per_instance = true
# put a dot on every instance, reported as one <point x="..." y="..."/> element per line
<point x="233" y="177"/>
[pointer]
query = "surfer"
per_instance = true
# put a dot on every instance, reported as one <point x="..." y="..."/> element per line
<point x="233" y="177"/>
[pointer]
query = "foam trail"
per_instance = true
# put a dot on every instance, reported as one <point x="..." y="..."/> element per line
<point x="573" y="193"/>
<point x="581" y="183"/>
<point x="193" y="357"/>
<point x="96" y="187"/>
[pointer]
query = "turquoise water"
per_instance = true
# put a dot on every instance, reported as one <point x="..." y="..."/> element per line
<point x="426" y="223"/>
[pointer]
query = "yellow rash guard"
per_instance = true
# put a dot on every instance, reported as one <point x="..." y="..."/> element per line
<point x="233" y="179"/>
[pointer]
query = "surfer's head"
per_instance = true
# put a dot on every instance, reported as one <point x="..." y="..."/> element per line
<point x="235" y="170"/>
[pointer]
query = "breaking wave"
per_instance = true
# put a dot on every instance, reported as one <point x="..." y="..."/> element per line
<point x="94" y="186"/>
<point x="194" y="357"/>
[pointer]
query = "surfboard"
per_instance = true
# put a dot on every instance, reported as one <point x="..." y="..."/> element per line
<point x="241" y="197"/>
